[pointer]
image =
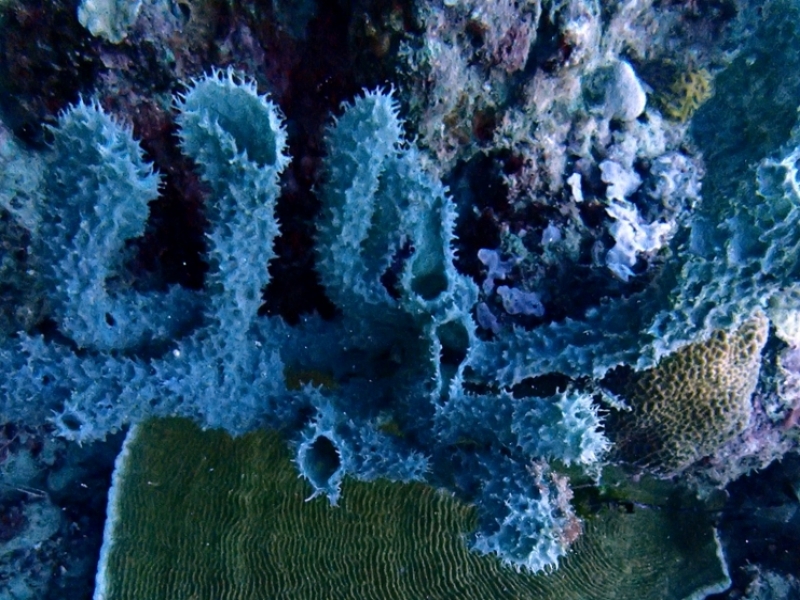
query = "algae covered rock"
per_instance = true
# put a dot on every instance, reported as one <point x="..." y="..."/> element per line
<point x="108" y="19"/>
<point x="202" y="515"/>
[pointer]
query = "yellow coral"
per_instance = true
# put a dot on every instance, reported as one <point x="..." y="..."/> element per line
<point x="686" y="94"/>
<point x="693" y="401"/>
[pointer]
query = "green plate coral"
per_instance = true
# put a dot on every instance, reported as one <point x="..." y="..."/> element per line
<point x="204" y="516"/>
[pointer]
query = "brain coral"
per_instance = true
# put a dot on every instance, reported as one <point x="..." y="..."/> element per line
<point x="692" y="401"/>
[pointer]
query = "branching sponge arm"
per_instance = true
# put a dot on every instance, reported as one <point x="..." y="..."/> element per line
<point x="352" y="233"/>
<point x="238" y="141"/>
<point x="96" y="194"/>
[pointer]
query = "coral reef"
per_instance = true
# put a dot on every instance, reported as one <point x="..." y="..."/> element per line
<point x="587" y="178"/>
<point x="573" y="248"/>
<point x="736" y="253"/>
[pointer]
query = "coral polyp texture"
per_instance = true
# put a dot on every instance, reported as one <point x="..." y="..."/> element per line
<point x="693" y="401"/>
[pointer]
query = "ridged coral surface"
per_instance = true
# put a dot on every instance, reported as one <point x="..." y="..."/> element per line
<point x="201" y="515"/>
